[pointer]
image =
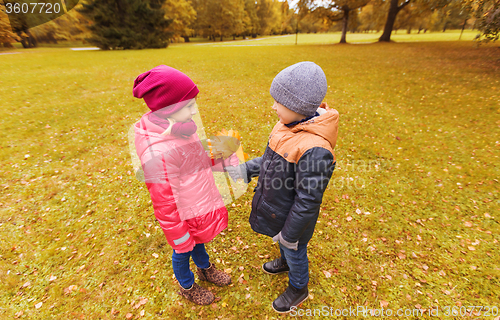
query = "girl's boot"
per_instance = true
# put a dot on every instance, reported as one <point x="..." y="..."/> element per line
<point x="197" y="294"/>
<point x="213" y="275"/>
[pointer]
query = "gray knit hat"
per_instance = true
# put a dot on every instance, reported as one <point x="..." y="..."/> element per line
<point x="300" y="87"/>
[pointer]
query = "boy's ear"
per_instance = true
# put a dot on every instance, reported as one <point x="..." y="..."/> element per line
<point x="323" y="105"/>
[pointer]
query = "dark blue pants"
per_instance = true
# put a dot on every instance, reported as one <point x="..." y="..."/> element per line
<point x="180" y="264"/>
<point x="298" y="263"/>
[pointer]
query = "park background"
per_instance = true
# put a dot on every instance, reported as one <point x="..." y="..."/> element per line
<point x="409" y="220"/>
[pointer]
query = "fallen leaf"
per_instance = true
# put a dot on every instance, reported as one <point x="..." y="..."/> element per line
<point x="401" y="256"/>
<point x="327" y="274"/>
<point x="155" y="255"/>
<point x="468" y="224"/>
<point x="349" y="218"/>
<point x="52" y="278"/>
<point x="129" y="315"/>
<point x="70" y="289"/>
<point x="384" y="303"/>
<point x="38" y="305"/>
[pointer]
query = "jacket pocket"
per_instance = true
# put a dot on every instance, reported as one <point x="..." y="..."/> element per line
<point x="273" y="216"/>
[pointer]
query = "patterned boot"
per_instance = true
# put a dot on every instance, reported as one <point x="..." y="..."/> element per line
<point x="197" y="294"/>
<point x="213" y="275"/>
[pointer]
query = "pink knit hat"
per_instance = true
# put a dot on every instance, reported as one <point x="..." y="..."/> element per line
<point x="163" y="87"/>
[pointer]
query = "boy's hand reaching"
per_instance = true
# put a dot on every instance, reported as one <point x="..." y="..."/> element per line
<point x="290" y="245"/>
<point x="235" y="173"/>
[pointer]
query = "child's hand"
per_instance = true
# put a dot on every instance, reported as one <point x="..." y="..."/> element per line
<point x="290" y="245"/>
<point x="235" y="173"/>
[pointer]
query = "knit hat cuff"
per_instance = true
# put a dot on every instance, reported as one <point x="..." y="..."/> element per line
<point x="171" y="109"/>
<point x="291" y="101"/>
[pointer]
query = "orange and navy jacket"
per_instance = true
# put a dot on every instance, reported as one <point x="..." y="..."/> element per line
<point x="293" y="174"/>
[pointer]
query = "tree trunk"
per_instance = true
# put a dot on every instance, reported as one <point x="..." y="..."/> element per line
<point x="444" y="27"/>
<point x="391" y="18"/>
<point x="345" y="20"/>
<point x="186" y="38"/>
<point x="463" y="27"/>
<point x="409" y="30"/>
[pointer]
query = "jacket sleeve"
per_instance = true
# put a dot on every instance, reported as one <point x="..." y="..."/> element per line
<point x="251" y="168"/>
<point x="313" y="172"/>
<point x="162" y="179"/>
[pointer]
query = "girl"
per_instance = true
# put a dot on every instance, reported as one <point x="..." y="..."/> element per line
<point x="178" y="175"/>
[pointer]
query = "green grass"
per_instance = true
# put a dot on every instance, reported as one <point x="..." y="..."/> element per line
<point x="77" y="231"/>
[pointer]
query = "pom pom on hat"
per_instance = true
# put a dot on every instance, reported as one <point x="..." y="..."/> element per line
<point x="164" y="87"/>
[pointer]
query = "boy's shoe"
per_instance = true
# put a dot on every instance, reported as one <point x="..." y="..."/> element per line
<point x="197" y="294"/>
<point x="291" y="297"/>
<point x="213" y="275"/>
<point x="276" y="266"/>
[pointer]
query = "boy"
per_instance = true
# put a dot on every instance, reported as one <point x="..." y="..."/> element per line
<point x="293" y="174"/>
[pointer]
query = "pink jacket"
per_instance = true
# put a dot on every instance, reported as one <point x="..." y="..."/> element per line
<point x="178" y="175"/>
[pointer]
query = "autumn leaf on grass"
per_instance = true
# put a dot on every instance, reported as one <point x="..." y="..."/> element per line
<point x="401" y="256"/>
<point x="383" y="304"/>
<point x="141" y="302"/>
<point x="70" y="289"/>
<point x="129" y="315"/>
<point x="468" y="224"/>
<point x="327" y="274"/>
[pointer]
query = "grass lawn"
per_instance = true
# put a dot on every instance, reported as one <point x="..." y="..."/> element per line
<point x="410" y="219"/>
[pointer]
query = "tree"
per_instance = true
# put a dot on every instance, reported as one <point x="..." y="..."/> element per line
<point x="182" y="14"/>
<point x="68" y="27"/>
<point x="420" y="7"/>
<point x="335" y="10"/>
<point x="372" y="17"/>
<point x="127" y="24"/>
<point x="220" y="18"/>
<point x="6" y="34"/>
<point x="252" y="22"/>
<point x="394" y="8"/>
<point x="487" y="13"/>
